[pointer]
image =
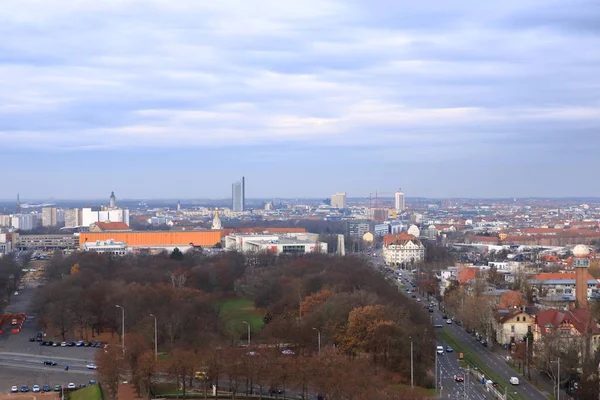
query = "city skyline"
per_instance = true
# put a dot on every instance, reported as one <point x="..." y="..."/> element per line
<point x="450" y="100"/>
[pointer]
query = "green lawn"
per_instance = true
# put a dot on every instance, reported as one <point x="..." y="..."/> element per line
<point x="88" y="393"/>
<point x="234" y="311"/>
<point x="474" y="361"/>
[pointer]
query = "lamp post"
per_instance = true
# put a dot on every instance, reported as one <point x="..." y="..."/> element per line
<point x="155" y="338"/>
<point x="558" y="381"/>
<point x="248" y="331"/>
<point x="318" y="339"/>
<point x="122" y="326"/>
<point x="412" y="379"/>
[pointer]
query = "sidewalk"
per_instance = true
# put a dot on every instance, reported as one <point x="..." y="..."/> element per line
<point x="539" y="380"/>
<point x="127" y="392"/>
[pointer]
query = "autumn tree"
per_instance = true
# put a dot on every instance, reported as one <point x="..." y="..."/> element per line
<point x="180" y="366"/>
<point x="144" y="372"/>
<point x="111" y="369"/>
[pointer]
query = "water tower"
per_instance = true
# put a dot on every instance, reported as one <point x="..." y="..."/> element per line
<point x="581" y="263"/>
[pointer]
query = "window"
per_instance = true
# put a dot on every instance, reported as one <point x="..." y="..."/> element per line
<point x="512" y="329"/>
<point x="517" y="319"/>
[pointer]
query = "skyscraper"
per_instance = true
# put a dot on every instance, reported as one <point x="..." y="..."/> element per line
<point x="338" y="200"/>
<point x="399" y="197"/>
<point x="238" y="195"/>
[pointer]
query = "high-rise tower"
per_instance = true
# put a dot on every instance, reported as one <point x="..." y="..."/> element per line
<point x="112" y="200"/>
<point x="399" y="201"/>
<point x="238" y="195"/>
<point x="581" y="263"/>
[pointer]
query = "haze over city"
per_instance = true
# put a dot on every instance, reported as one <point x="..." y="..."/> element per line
<point x="178" y="99"/>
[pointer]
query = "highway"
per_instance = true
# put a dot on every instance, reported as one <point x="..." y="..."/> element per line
<point x="495" y="361"/>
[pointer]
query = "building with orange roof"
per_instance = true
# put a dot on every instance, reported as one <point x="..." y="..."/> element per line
<point x="468" y="274"/>
<point x="146" y="239"/>
<point x="402" y="250"/>
<point x="561" y="285"/>
<point x="109" y="227"/>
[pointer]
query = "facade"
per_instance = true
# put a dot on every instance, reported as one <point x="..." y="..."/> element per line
<point x="49" y="217"/>
<point x="379" y="214"/>
<point x="272" y="244"/>
<point x="571" y="325"/>
<point x="5" y="244"/>
<point x="399" y="201"/>
<point x="106" y="247"/>
<point x="216" y="223"/>
<point x="512" y="325"/>
<point x="148" y="239"/>
<point x="109" y="227"/>
<point x="47" y="242"/>
<point x="402" y="250"/>
<point x="73" y="217"/>
<point x="238" y="196"/>
<point x="112" y="201"/>
<point x="338" y="200"/>
<point x="5" y="220"/>
<point x="561" y="285"/>
<point x="25" y="222"/>
<point x="90" y="216"/>
<point x="358" y="228"/>
<point x="381" y="229"/>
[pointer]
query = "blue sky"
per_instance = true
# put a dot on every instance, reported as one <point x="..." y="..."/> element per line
<point x="178" y="99"/>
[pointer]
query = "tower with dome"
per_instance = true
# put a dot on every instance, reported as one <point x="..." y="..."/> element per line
<point x="216" y="223"/>
<point x="581" y="263"/>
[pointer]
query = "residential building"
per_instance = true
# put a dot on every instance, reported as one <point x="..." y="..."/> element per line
<point x="238" y="196"/>
<point x="106" y="247"/>
<point x="570" y="324"/>
<point x="399" y="201"/>
<point x="5" y="221"/>
<point x="357" y="228"/>
<point x="73" y="218"/>
<point x="109" y="227"/>
<point x="49" y="216"/>
<point x="512" y="325"/>
<point x="25" y="222"/>
<point x="5" y="244"/>
<point x="561" y="285"/>
<point x="402" y="250"/>
<point x="379" y="214"/>
<point x="338" y="200"/>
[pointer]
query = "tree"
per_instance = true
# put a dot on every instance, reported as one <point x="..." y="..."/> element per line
<point x="144" y="372"/>
<point x="111" y="369"/>
<point x="180" y="366"/>
<point x="177" y="255"/>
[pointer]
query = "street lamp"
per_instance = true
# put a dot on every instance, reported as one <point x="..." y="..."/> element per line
<point x="248" y="331"/>
<point x="318" y="338"/>
<point x="122" y="326"/>
<point x="155" y="339"/>
<point x="412" y="380"/>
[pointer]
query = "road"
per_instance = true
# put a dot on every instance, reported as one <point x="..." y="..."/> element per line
<point x="36" y="363"/>
<point x="448" y="368"/>
<point x="525" y="389"/>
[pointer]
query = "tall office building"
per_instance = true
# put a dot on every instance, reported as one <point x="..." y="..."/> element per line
<point x="338" y="200"/>
<point x="49" y="216"/>
<point x="238" y="195"/>
<point x="399" y="197"/>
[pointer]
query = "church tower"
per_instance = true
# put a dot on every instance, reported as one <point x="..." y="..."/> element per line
<point x="216" y="224"/>
<point x="112" y="201"/>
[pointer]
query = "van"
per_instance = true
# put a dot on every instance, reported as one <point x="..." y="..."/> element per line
<point x="440" y="350"/>
<point x="514" y="380"/>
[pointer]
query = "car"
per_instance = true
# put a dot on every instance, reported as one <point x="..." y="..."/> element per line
<point x="71" y="386"/>
<point x="49" y="362"/>
<point x="91" y="366"/>
<point x="418" y="300"/>
<point x="449" y="321"/>
<point x="63" y="344"/>
<point x="459" y="379"/>
<point x="444" y="316"/>
<point x="70" y="344"/>
<point x="449" y="349"/>
<point x="82" y="385"/>
<point x="484" y="343"/>
<point x="24" y="388"/>
<point x="14" y="389"/>
<point x="457" y="322"/>
<point x="32" y="339"/>
<point x="80" y="343"/>
<point x="88" y="344"/>
<point x="55" y="344"/>
<point x="430" y="309"/>
<point x="469" y="330"/>
<point x="46" y="388"/>
<point x="440" y="349"/>
<point x="35" y="389"/>
<point x="414" y="296"/>
<point x="276" y="391"/>
<point x="92" y="382"/>
<point x="514" y="380"/>
<point x="16" y="293"/>
<point x="57" y="388"/>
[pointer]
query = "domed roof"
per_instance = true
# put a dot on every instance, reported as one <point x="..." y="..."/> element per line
<point x="581" y="250"/>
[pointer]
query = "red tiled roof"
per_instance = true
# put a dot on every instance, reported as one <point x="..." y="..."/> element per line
<point x="557" y="276"/>
<point x="578" y="317"/>
<point x="467" y="274"/>
<point x="112" y="226"/>
<point x="400" y="237"/>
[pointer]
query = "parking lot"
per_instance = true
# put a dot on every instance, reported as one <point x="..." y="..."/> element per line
<point x="21" y="361"/>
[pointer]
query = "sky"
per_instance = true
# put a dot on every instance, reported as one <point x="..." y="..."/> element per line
<point x="178" y="99"/>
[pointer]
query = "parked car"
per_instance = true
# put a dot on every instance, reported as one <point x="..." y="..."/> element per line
<point x="57" y="388"/>
<point x="80" y="343"/>
<point x="24" y="388"/>
<point x="14" y="389"/>
<point x="444" y="316"/>
<point x="46" y="388"/>
<point x="449" y="321"/>
<point x="92" y="382"/>
<point x="71" y="386"/>
<point x="35" y="389"/>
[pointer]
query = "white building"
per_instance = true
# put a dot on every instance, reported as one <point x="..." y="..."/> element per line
<point x="49" y="216"/>
<point x="414" y="231"/>
<point x="338" y="200"/>
<point x="89" y="216"/>
<point x="273" y="244"/>
<point x="106" y="247"/>
<point x="25" y="222"/>
<point x="5" y="220"/>
<point x="399" y="201"/>
<point x="402" y="250"/>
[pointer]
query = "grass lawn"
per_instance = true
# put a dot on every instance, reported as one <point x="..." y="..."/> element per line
<point x="88" y="393"/>
<point x="474" y="361"/>
<point x="234" y="311"/>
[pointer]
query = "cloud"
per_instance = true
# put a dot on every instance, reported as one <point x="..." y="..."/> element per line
<point x="170" y="74"/>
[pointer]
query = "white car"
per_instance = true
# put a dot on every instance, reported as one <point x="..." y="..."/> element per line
<point x="36" y="388"/>
<point x="440" y="350"/>
<point x="91" y="366"/>
<point x="14" y="389"/>
<point x="71" y="386"/>
<point x="514" y="380"/>
<point x="449" y="321"/>
<point x="63" y="344"/>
